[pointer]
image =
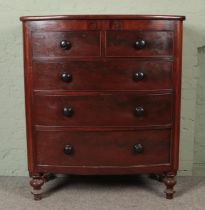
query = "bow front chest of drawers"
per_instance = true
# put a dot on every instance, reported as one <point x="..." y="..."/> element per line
<point x="102" y="95"/>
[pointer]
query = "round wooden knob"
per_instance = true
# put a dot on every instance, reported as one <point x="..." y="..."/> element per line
<point x="139" y="111"/>
<point x="138" y="148"/>
<point x="140" y="44"/>
<point x="64" y="44"/>
<point x="138" y="76"/>
<point x="68" y="149"/>
<point x="66" y="77"/>
<point x="67" y="111"/>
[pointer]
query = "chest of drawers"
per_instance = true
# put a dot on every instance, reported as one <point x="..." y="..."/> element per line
<point x="102" y="95"/>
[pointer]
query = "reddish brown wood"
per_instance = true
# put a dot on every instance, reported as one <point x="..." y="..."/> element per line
<point x="94" y="17"/>
<point x="104" y="94"/>
<point x="103" y="75"/>
<point x="177" y="92"/>
<point x="104" y="170"/>
<point x="102" y="148"/>
<point x="170" y="182"/>
<point x="122" y="43"/>
<point x="82" y="44"/>
<point x="103" y="109"/>
<point x="36" y="183"/>
<point x="100" y="25"/>
<point x="28" y="95"/>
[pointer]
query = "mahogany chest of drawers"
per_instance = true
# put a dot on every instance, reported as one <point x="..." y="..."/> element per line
<point x="102" y="95"/>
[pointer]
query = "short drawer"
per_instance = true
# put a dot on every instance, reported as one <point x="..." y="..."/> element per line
<point x="103" y="75"/>
<point x="63" y="44"/>
<point x="102" y="148"/>
<point x="103" y="109"/>
<point x="139" y="43"/>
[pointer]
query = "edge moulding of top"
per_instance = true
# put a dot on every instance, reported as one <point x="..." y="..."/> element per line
<point x="100" y="17"/>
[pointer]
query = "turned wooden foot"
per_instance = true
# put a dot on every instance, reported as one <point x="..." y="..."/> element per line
<point x="36" y="183"/>
<point x="169" y="181"/>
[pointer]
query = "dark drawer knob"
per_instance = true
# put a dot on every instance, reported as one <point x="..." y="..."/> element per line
<point x="67" y="111"/>
<point x="139" y="111"/>
<point x="64" y="44"/>
<point x="138" y="76"/>
<point x="66" y="77"/>
<point x="138" y="148"/>
<point x="140" y="44"/>
<point x="68" y="149"/>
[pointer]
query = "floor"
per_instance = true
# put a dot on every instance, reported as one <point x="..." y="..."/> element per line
<point x="103" y="193"/>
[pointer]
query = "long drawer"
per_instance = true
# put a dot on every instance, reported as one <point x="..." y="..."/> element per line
<point x="103" y="109"/>
<point x="103" y="75"/>
<point x="107" y="148"/>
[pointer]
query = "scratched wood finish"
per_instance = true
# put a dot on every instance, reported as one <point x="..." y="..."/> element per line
<point x="103" y="75"/>
<point x="102" y="61"/>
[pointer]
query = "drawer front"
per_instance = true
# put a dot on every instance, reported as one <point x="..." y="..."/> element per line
<point x="116" y="148"/>
<point x="62" y="44"/>
<point x="137" y="43"/>
<point x="107" y="75"/>
<point x="103" y="109"/>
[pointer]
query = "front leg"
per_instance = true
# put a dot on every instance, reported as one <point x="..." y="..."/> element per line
<point x="36" y="183"/>
<point x="169" y="181"/>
